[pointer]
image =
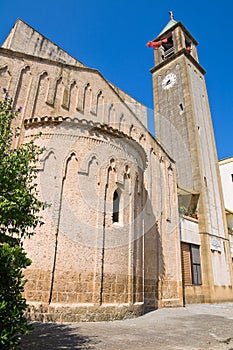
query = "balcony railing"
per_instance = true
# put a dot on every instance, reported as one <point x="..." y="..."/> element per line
<point x="169" y="52"/>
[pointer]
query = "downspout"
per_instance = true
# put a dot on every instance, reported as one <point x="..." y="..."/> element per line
<point x="103" y="241"/>
<point x="56" y="243"/>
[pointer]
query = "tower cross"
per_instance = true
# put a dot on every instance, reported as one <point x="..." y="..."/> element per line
<point x="171" y="15"/>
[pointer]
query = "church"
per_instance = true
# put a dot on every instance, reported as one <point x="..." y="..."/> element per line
<point x="133" y="222"/>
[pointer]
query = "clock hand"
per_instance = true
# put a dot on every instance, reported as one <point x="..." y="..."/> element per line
<point x="168" y="82"/>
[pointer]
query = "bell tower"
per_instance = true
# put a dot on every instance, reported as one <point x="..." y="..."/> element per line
<point x="184" y="127"/>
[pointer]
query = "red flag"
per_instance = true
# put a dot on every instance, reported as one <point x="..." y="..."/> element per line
<point x="156" y="44"/>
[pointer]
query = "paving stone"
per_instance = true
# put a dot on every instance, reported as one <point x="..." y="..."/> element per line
<point x="195" y="327"/>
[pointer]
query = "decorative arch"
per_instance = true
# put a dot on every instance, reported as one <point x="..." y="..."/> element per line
<point x="122" y="119"/>
<point x="67" y="95"/>
<point x="86" y="164"/>
<point x="49" y="153"/>
<point x="53" y="88"/>
<point x="40" y="96"/>
<point x="131" y="129"/>
<point x="97" y="102"/>
<point x="73" y="95"/>
<point x="141" y="138"/>
<point x="84" y="97"/>
<point x="59" y="94"/>
<point x="48" y="177"/>
<point x="23" y="87"/>
<point x="100" y="101"/>
<point x="71" y="156"/>
<point x="5" y="77"/>
<point x="111" y="113"/>
<point x="87" y="95"/>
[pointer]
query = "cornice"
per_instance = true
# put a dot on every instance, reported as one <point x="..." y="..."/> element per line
<point x="174" y="57"/>
<point x="94" y="127"/>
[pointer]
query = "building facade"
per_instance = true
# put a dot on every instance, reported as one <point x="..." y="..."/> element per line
<point x="134" y="223"/>
<point x="226" y="172"/>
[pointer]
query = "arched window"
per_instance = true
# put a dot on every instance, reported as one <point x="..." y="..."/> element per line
<point x="116" y="206"/>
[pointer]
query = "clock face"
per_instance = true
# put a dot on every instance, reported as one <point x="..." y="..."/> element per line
<point x="169" y="81"/>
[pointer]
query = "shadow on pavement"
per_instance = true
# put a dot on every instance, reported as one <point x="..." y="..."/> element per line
<point x="50" y="336"/>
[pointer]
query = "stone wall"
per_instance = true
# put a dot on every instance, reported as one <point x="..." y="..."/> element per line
<point x="86" y="266"/>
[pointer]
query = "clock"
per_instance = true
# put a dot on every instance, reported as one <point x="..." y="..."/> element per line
<point x="169" y="81"/>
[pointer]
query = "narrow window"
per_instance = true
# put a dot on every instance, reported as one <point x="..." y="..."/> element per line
<point x="116" y="203"/>
<point x="191" y="264"/>
<point x="232" y="177"/>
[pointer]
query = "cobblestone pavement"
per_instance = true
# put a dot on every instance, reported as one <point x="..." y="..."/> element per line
<point x="193" y="327"/>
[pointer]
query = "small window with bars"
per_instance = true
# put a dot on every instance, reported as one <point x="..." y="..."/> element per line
<point x="191" y="264"/>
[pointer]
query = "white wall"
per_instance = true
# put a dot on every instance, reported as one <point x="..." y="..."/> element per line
<point x="226" y="172"/>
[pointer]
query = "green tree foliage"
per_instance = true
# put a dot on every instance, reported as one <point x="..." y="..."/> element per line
<point x="19" y="217"/>
<point x="12" y="304"/>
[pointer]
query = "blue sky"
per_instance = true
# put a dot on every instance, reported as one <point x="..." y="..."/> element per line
<point x="112" y="35"/>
